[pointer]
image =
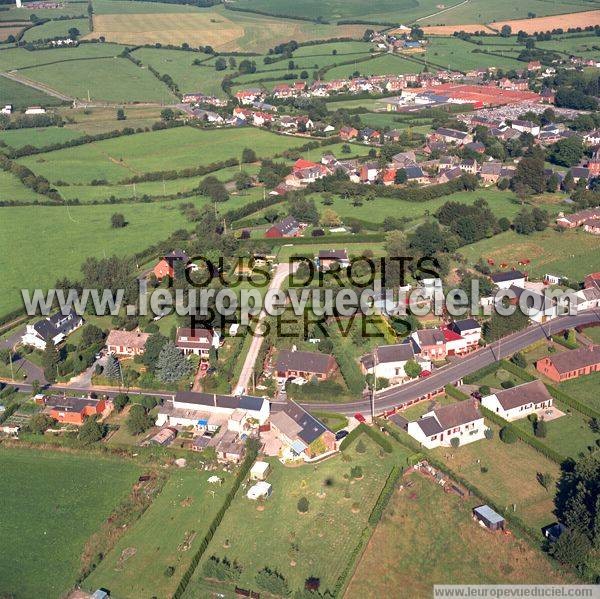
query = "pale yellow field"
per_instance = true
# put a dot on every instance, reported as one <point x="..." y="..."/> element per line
<point x="243" y="31"/>
<point x="575" y="19"/>
<point x="450" y="29"/>
<point x="209" y="28"/>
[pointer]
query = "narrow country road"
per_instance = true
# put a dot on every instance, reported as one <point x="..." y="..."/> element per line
<point x="282" y="272"/>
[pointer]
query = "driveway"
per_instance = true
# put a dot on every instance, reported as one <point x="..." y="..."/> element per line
<point x="22" y="367"/>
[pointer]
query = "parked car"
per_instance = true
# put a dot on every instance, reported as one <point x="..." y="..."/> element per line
<point x="341" y="434"/>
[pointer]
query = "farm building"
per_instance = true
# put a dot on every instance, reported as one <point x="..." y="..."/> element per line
<point x="570" y="364"/>
<point x="287" y="227"/>
<point x="487" y="517"/>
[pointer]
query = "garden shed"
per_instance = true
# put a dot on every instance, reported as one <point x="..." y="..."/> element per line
<point x="487" y="517"/>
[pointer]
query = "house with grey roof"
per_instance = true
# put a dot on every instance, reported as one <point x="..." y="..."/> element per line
<point x="388" y="362"/>
<point x="461" y="420"/>
<point x="518" y="402"/>
<point x="54" y="329"/>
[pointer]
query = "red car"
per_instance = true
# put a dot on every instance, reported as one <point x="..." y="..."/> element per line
<point x="425" y="373"/>
<point x="359" y="417"/>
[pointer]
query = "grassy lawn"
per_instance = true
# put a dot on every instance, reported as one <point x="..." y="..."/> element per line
<point x="354" y="249"/>
<point x="494" y="380"/>
<point x="572" y="253"/>
<point x="116" y="159"/>
<point x="570" y="435"/>
<point x="44" y="136"/>
<point x="318" y="543"/>
<point x="55" y="501"/>
<point x="432" y="535"/>
<point x="12" y="190"/>
<point x="333" y="421"/>
<point x="585" y="389"/>
<point x="510" y="478"/>
<point x="168" y="534"/>
<point x="91" y="121"/>
<point x="593" y="333"/>
<point x="415" y="412"/>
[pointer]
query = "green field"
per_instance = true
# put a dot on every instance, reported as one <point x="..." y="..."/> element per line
<point x="318" y="543"/>
<point x="181" y="513"/>
<point x="73" y="9"/>
<point x="586" y="47"/>
<point x="52" y="503"/>
<point x="109" y="7"/>
<point x="52" y="29"/>
<point x="12" y="190"/>
<point x="388" y="64"/>
<point x="380" y="11"/>
<point x="503" y="203"/>
<point x="22" y="96"/>
<point x="456" y="54"/>
<point x="17" y="138"/>
<point x="572" y="254"/>
<point x="178" y="64"/>
<point x="116" y="159"/>
<point x="485" y="11"/>
<point x="432" y="534"/>
<point x="66" y="235"/>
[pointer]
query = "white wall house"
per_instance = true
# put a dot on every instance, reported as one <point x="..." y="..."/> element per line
<point x="51" y="329"/>
<point x="518" y="402"/>
<point x="437" y="428"/>
<point x="388" y="362"/>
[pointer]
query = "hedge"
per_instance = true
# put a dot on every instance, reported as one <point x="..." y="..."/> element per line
<point x="452" y="391"/>
<point x="472" y="378"/>
<point x="376" y="436"/>
<point x="572" y="402"/>
<point x="340" y="585"/>
<point x="241" y="475"/>
<point x="385" y="495"/>
<point x="517" y="371"/>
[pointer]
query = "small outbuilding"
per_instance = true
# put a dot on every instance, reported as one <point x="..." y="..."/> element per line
<point x="260" y="489"/>
<point x="487" y="517"/>
<point x="260" y="470"/>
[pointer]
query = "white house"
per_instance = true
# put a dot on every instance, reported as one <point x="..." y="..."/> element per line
<point x="526" y="127"/>
<point x="53" y="328"/>
<point x="35" y="110"/>
<point x="260" y="470"/>
<point x="468" y="329"/>
<point x="504" y="280"/>
<point x="390" y="361"/>
<point x="588" y="298"/>
<point x="189" y="408"/>
<point x="518" y="402"/>
<point x="461" y="420"/>
<point x="7" y="109"/>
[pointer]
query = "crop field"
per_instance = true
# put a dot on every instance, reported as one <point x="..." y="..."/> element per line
<point x="563" y="21"/>
<point x="486" y="11"/>
<point x="6" y="32"/>
<point x="455" y="54"/>
<point x="22" y="96"/>
<point x="116" y="159"/>
<point x="387" y="64"/>
<point x="223" y="29"/>
<point x="584" y="388"/>
<point x="178" y="64"/>
<point x="380" y="11"/>
<point x="101" y="120"/>
<point x="55" y="502"/>
<point x="104" y="7"/>
<point x="168" y="534"/>
<point x="510" y="478"/>
<point x="52" y="29"/>
<point x="67" y="235"/>
<point x="573" y="253"/>
<point x="318" y="543"/>
<point x="433" y="536"/>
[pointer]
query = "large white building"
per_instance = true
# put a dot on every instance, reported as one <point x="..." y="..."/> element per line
<point x="461" y="420"/>
<point x="53" y="329"/>
<point x="518" y="402"/>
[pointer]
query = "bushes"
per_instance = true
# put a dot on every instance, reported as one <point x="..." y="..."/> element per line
<point x="452" y="391"/>
<point x="507" y="434"/>
<point x="371" y="432"/>
<point x="303" y="505"/>
<point x="475" y="376"/>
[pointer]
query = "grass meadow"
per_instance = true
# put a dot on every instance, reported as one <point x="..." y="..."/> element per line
<point x="432" y="535"/>
<point x="53" y="502"/>
<point x="584" y="388"/>
<point x="318" y="543"/>
<point x="66" y="235"/>
<point x="572" y="253"/>
<point x="52" y="29"/>
<point x="12" y="190"/>
<point x="22" y="96"/>
<point x="116" y="159"/>
<point x="387" y="64"/>
<point x="168" y="534"/>
<point x="39" y="137"/>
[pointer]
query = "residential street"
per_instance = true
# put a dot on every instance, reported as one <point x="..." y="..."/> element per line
<point x="282" y="272"/>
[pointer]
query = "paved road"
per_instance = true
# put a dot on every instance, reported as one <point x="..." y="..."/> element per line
<point x="282" y="272"/>
<point x="452" y="373"/>
<point x="395" y="397"/>
<point x="21" y="364"/>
